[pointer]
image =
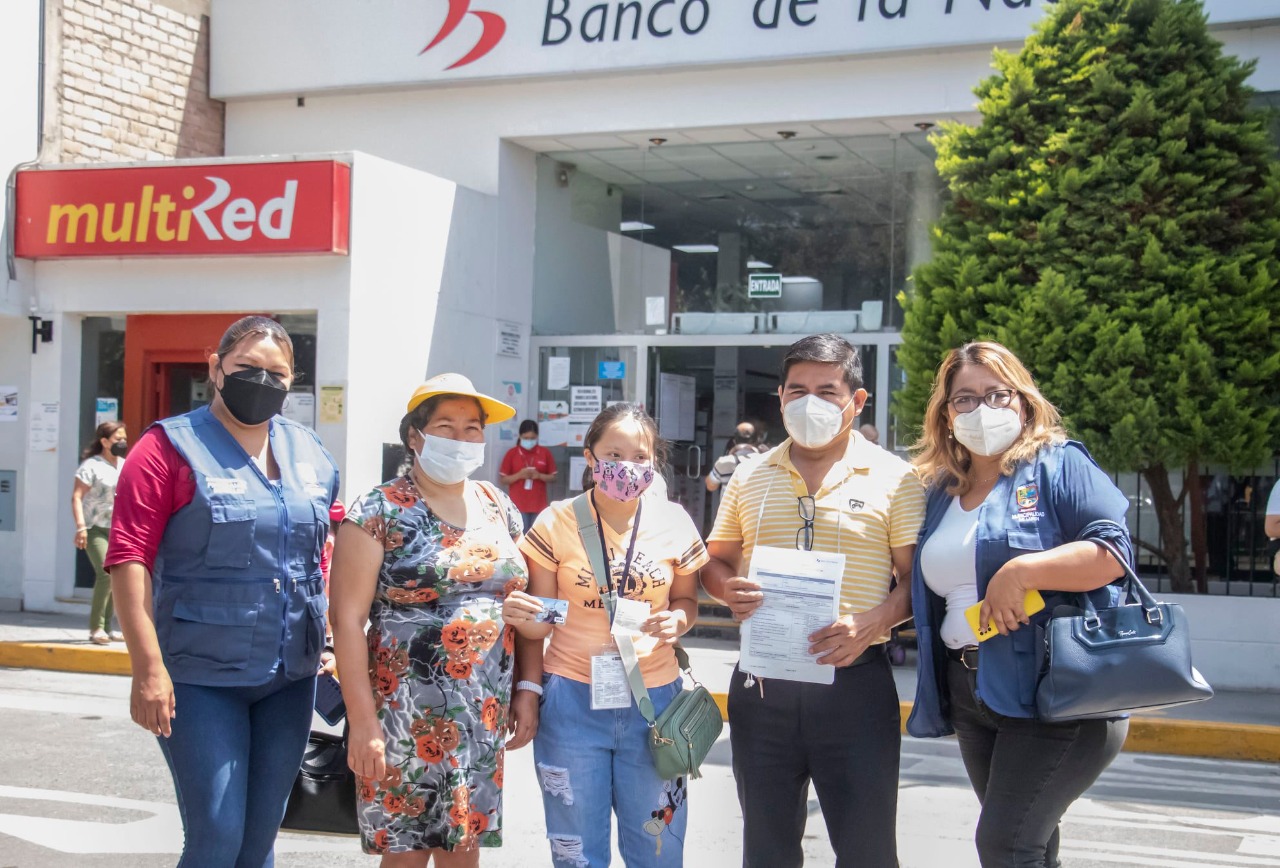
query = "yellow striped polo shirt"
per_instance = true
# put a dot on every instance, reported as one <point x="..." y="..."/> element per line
<point x="870" y="502"/>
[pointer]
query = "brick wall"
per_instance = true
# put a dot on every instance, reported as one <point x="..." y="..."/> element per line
<point x="131" y="81"/>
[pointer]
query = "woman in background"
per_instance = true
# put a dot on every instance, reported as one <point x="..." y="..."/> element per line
<point x="92" y="501"/>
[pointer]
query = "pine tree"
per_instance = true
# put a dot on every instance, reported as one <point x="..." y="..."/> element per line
<point x="1114" y="220"/>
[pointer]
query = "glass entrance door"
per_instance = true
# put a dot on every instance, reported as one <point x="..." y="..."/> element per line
<point x="572" y="385"/>
<point x="697" y="387"/>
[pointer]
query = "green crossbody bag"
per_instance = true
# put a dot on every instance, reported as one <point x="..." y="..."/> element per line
<point x="680" y="739"/>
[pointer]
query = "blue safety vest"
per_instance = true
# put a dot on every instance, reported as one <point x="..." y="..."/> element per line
<point x="1058" y="497"/>
<point x="237" y="586"/>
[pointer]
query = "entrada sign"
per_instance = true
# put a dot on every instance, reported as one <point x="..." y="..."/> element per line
<point x="184" y="210"/>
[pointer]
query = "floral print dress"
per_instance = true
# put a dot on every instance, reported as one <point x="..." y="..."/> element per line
<point x="441" y="663"/>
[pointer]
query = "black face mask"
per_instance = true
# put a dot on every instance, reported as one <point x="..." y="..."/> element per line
<point x="119" y="448"/>
<point x="252" y="395"/>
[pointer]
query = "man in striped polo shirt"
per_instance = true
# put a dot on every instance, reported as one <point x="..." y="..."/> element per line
<point x="825" y="488"/>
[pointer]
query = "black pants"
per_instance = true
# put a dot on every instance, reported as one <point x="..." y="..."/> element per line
<point x="845" y="737"/>
<point x="1026" y="772"/>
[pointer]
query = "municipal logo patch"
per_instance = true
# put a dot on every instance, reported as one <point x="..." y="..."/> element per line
<point x="856" y="504"/>
<point x="1028" y="496"/>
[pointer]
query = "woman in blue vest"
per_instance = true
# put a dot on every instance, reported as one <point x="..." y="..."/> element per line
<point x="220" y="518"/>
<point x="1013" y="506"/>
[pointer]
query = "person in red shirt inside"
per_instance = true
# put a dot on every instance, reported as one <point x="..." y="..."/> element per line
<point x="526" y="469"/>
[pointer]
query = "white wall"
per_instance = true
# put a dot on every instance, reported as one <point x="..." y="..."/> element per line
<point x="402" y="221"/>
<point x="19" y="52"/>
<point x="19" y="56"/>
<point x="454" y="132"/>
<point x="1234" y="642"/>
<point x="488" y="277"/>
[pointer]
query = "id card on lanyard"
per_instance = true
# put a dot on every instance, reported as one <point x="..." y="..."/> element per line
<point x="609" y="687"/>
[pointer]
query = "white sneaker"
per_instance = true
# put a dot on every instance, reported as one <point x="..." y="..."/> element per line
<point x="99" y="637"/>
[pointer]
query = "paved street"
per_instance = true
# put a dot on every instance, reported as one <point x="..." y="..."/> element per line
<point x="81" y="785"/>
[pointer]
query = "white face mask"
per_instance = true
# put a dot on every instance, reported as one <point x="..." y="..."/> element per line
<point x="449" y="461"/>
<point x="812" y="422"/>
<point x="984" y="431"/>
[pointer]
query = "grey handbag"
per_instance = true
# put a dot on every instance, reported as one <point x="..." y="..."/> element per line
<point x="1107" y="662"/>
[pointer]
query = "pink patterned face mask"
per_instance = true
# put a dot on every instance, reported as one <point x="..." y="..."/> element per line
<point x="622" y="480"/>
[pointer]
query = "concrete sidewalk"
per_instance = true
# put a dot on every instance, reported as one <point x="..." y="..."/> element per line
<point x="1241" y="725"/>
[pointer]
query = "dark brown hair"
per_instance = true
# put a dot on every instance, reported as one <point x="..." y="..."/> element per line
<point x="255" y="327"/>
<point x="827" y="349"/>
<point x="611" y="416"/>
<point x="420" y="415"/>
<point x="105" y="431"/>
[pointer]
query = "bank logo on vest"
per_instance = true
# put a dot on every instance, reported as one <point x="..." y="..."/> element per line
<point x="493" y="28"/>
<point x="221" y="208"/>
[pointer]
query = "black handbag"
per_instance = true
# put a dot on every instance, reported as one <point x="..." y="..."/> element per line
<point x="323" y="798"/>
<point x="1105" y="662"/>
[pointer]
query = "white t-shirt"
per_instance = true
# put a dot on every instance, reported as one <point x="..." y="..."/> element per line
<point x="101" y="476"/>
<point x="1273" y="500"/>
<point x="949" y="564"/>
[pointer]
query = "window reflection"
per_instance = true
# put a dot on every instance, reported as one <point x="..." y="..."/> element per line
<point x="669" y="237"/>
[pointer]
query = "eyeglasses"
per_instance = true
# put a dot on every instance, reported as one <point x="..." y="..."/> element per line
<point x="804" y="536"/>
<point x="996" y="400"/>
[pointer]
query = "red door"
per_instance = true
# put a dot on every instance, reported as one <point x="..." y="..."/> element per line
<point x="164" y="354"/>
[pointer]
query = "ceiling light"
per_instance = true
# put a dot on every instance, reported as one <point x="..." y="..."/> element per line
<point x="756" y="263"/>
<point x="696" y="248"/>
<point x="634" y="226"/>
<point x="800" y="280"/>
<point x="749" y="187"/>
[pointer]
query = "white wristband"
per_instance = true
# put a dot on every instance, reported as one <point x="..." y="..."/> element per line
<point x="531" y="686"/>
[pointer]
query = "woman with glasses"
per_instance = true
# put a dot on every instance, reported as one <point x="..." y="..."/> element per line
<point x="592" y="745"/>
<point x="1013" y="507"/>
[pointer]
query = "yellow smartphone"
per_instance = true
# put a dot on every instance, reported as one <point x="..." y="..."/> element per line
<point x="1033" y="602"/>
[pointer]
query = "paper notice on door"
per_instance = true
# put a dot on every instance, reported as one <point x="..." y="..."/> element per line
<point x="655" y="310"/>
<point x="557" y="372"/>
<point x="801" y="596"/>
<point x="577" y="467"/>
<point x="553" y="432"/>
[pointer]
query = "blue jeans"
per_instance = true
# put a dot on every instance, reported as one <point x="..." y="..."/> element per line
<point x="234" y="754"/>
<point x="592" y="761"/>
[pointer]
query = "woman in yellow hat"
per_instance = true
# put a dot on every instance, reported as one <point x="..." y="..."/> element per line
<point x="428" y="559"/>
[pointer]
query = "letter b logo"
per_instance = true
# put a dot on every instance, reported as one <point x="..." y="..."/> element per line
<point x="494" y="28"/>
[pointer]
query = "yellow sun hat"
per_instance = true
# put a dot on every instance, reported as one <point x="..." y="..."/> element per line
<point x="457" y="384"/>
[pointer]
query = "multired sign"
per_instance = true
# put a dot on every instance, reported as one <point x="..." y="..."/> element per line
<point x="183" y="210"/>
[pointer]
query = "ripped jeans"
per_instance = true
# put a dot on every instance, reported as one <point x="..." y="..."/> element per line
<point x="591" y="762"/>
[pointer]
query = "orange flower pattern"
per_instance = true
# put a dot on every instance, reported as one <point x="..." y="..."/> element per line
<point x="440" y="662"/>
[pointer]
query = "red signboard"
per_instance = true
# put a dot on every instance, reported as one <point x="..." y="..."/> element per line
<point x="217" y="209"/>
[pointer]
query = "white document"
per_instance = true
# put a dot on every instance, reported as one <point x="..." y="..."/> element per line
<point x="655" y="310"/>
<point x="801" y="596"/>
<point x="585" y="401"/>
<point x="44" y="426"/>
<point x="628" y="619"/>
<point x="609" y="687"/>
<point x="557" y="372"/>
<point x="577" y="466"/>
